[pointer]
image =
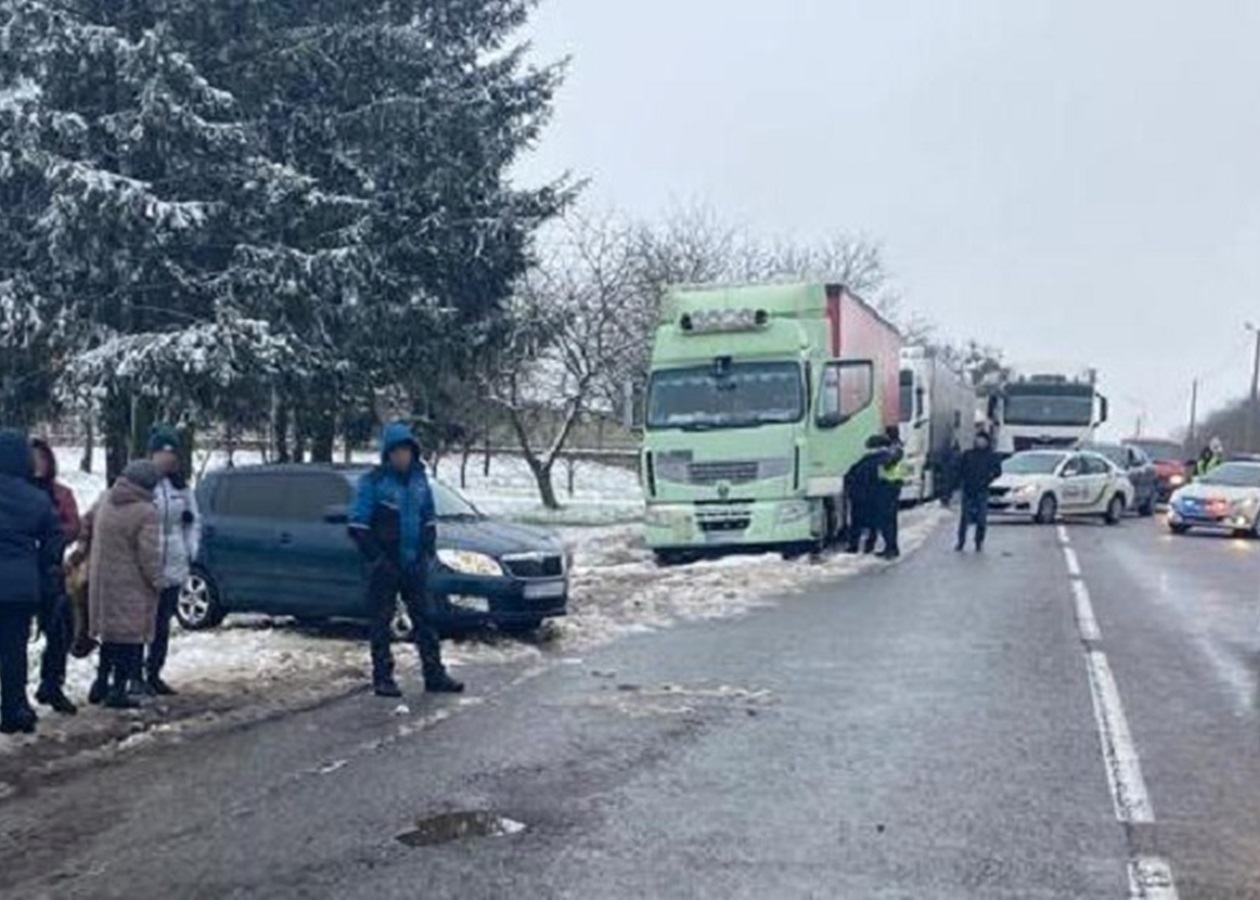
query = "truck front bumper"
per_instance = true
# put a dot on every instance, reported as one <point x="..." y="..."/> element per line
<point x="760" y="523"/>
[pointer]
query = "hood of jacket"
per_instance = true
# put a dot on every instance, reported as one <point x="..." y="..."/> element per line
<point x="39" y="445"/>
<point x="395" y="435"/>
<point x="15" y="454"/>
<point x="125" y="492"/>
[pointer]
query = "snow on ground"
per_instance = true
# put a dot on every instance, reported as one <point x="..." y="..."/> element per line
<point x="254" y="666"/>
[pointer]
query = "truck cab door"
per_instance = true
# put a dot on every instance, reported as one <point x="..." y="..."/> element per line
<point x="845" y="413"/>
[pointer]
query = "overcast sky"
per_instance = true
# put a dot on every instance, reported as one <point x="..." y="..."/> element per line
<point x="1075" y="181"/>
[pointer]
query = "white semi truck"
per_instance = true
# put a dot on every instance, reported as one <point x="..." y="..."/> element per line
<point x="937" y="412"/>
<point x="1044" y="407"/>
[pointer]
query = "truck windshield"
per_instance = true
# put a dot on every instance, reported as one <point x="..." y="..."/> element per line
<point x="1034" y="407"/>
<point x="742" y="396"/>
<point x="907" y="395"/>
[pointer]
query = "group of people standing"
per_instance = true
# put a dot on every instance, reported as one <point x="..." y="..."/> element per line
<point x="873" y="488"/>
<point x="110" y="579"/>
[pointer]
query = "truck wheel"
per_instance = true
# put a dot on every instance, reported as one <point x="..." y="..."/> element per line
<point x="1047" y="510"/>
<point x="1178" y="528"/>
<point x="1115" y="510"/>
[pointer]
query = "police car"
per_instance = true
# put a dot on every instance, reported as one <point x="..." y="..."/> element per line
<point x="1045" y="484"/>
<point x="1226" y="498"/>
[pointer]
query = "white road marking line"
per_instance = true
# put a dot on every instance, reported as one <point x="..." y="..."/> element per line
<point x="1064" y="537"/>
<point x="1120" y="758"/>
<point x="1085" y="620"/>
<point x="1150" y="878"/>
<point x="1073" y="564"/>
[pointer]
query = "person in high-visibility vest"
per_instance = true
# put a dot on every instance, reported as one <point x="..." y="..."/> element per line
<point x="1211" y="457"/>
<point x="892" y="475"/>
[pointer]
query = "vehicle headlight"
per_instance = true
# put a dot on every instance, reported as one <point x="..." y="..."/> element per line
<point x="1177" y="480"/>
<point x="794" y="511"/>
<point x="662" y="516"/>
<point x="1247" y="504"/>
<point x="468" y="562"/>
<point x="1024" y="490"/>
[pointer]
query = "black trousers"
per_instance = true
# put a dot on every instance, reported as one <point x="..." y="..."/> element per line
<point x="121" y="662"/>
<point x="385" y="586"/>
<point x="57" y="628"/>
<point x="889" y="512"/>
<point x="863" y="525"/>
<point x="155" y="660"/>
<point x="15" y="632"/>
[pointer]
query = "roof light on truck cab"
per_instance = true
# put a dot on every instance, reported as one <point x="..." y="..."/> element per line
<point x="719" y="321"/>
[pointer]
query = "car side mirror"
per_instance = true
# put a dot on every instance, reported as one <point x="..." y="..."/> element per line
<point x="337" y="515"/>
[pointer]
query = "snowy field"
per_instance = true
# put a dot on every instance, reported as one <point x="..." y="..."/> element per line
<point x="254" y="666"/>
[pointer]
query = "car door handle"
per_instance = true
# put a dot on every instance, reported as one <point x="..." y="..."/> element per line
<point x="286" y="538"/>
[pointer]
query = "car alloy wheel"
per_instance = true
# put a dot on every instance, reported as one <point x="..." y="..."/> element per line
<point x="197" y="606"/>
<point x="1115" y="509"/>
<point x="1047" y="510"/>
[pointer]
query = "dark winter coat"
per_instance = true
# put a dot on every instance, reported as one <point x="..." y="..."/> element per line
<point x="125" y="572"/>
<point x="862" y="481"/>
<point x="64" y="504"/>
<point x="978" y="468"/>
<point x="31" y="545"/>
<point x="394" y="516"/>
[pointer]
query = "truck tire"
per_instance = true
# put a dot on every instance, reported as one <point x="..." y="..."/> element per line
<point x="1047" y="510"/>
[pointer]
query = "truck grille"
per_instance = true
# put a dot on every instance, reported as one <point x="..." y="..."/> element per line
<point x="723" y="519"/>
<point x="731" y="472"/>
<point x="534" y="566"/>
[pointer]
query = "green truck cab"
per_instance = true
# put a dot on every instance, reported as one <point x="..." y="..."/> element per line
<point x="760" y="399"/>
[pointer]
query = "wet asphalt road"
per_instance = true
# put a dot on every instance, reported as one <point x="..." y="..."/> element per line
<point x="928" y="731"/>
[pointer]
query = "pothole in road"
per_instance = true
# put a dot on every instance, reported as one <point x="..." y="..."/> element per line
<point x="456" y="826"/>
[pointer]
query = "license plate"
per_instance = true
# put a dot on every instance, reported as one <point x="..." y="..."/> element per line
<point x="548" y="590"/>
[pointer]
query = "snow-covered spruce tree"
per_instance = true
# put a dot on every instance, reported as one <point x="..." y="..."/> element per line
<point x="134" y="194"/>
<point x="417" y="109"/>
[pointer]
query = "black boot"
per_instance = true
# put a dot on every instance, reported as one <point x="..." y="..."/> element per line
<point x="442" y="683"/>
<point x="387" y="687"/>
<point x="56" y="698"/>
<point x="118" y="698"/>
<point x="160" y="688"/>
<point x="22" y="723"/>
<point x="98" y="690"/>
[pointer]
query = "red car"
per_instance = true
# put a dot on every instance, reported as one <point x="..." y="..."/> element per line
<point x="1171" y="469"/>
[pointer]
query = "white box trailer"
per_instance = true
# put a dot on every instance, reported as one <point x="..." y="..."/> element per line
<point x="937" y="421"/>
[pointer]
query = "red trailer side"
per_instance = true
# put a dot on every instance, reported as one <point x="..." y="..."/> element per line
<point x="859" y="332"/>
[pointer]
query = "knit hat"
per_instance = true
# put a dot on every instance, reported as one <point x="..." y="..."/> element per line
<point x="163" y="437"/>
<point x="143" y="474"/>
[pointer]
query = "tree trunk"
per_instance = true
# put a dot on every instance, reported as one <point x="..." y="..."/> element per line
<point x="280" y="432"/>
<point x="542" y="475"/>
<point x="570" y="465"/>
<point x="116" y="423"/>
<point x="463" y="465"/>
<point x="89" y="443"/>
<point x="485" y="462"/>
<point x="143" y="418"/>
<point x="323" y="429"/>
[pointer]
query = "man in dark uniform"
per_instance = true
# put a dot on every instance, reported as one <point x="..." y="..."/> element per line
<point x="978" y="468"/>
<point x="861" y="485"/>
<point x="394" y="524"/>
<point x="892" y="475"/>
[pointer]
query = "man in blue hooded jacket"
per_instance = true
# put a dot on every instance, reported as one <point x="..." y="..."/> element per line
<point x="394" y="524"/>
<point x="31" y="548"/>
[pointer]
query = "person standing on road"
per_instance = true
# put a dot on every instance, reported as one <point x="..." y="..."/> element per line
<point x="394" y="524"/>
<point x="125" y="578"/>
<point x="54" y="614"/>
<point x="31" y="548"/>
<point x="1211" y="457"/>
<point x="892" y="476"/>
<point x="978" y="468"/>
<point x="180" y="542"/>
<point x="861" y="485"/>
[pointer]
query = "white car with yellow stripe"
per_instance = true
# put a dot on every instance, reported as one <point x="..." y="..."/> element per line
<point x="1046" y="484"/>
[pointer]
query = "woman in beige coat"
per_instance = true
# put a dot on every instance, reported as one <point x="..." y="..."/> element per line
<point x="124" y="578"/>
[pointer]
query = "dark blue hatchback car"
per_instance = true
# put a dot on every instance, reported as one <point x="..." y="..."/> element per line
<point x="275" y="542"/>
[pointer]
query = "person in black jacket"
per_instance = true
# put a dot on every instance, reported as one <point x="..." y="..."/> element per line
<point x="861" y="487"/>
<point x="31" y="549"/>
<point x="978" y="468"/>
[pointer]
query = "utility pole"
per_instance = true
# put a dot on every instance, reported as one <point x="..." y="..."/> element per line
<point x="1194" y="412"/>
<point x="1254" y="402"/>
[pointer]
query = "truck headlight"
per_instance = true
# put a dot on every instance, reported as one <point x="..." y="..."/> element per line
<point x="795" y="511"/>
<point x="661" y="516"/>
<point x="468" y="562"/>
